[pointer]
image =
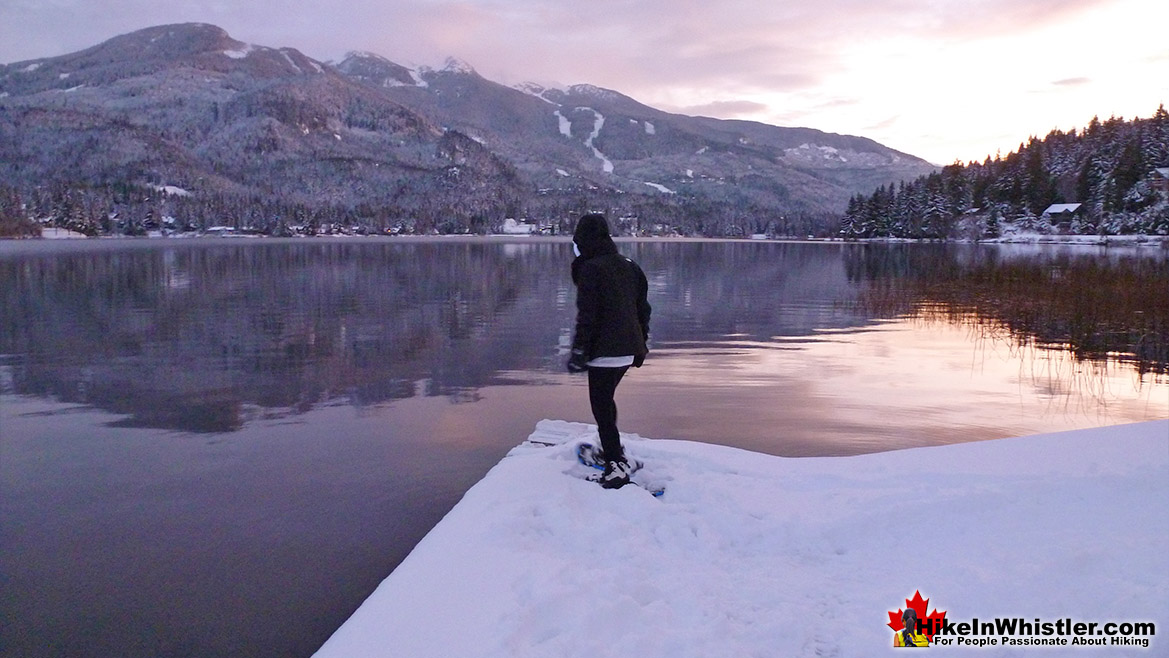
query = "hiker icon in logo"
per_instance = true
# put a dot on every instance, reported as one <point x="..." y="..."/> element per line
<point x="913" y="627"/>
<point x="910" y="635"/>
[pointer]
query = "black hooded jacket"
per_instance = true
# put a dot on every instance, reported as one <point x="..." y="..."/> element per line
<point x="612" y="306"/>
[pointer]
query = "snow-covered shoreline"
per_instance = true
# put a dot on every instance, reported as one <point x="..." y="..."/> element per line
<point x="1143" y="242"/>
<point x="755" y="555"/>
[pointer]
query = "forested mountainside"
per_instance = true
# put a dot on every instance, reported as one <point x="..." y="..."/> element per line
<point x="1110" y="178"/>
<point x="182" y="127"/>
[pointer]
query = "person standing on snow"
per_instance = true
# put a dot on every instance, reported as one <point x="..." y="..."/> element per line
<point x="612" y="327"/>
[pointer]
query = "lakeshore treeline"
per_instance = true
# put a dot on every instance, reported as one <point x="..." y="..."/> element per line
<point x="1110" y="178"/>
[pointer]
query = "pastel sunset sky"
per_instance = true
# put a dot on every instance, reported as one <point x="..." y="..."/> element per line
<point x="944" y="80"/>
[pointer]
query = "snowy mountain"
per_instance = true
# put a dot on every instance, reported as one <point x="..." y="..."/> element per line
<point x="189" y="106"/>
<point x="376" y="70"/>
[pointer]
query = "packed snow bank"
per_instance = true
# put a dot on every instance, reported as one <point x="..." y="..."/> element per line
<point x="754" y="555"/>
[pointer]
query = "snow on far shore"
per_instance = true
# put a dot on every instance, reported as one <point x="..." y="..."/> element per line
<point x="1031" y="237"/>
<point x="50" y="233"/>
<point x="755" y="555"/>
<point x="175" y="190"/>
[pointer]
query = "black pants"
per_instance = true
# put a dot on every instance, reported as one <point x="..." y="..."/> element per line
<point x="602" y="385"/>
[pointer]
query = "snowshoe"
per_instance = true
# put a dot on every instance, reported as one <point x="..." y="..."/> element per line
<point x="593" y="457"/>
<point x="616" y="474"/>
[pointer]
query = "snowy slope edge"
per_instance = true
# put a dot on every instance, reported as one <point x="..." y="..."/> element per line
<point x="750" y="554"/>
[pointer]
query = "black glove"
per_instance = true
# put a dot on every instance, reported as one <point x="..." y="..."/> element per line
<point x="578" y="362"/>
<point x="638" y="360"/>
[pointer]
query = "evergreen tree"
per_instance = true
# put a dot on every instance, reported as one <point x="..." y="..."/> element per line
<point x="14" y="219"/>
<point x="1130" y="170"/>
<point x="850" y="224"/>
<point x="1155" y="139"/>
<point x="1038" y="190"/>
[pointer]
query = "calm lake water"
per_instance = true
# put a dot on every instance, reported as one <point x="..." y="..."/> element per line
<point x="219" y="448"/>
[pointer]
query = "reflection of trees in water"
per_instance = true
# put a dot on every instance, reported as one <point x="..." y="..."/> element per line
<point x="196" y="337"/>
<point x="205" y="337"/>
<point x="1098" y="306"/>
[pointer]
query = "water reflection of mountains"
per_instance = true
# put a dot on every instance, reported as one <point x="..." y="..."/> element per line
<point x="204" y="337"/>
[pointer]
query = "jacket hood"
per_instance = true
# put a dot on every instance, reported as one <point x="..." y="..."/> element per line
<point x="591" y="239"/>
<point x="592" y="236"/>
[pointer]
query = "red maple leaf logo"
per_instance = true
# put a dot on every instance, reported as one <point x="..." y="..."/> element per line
<point x="930" y="623"/>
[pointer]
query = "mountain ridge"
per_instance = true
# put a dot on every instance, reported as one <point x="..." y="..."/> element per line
<point x="189" y="106"/>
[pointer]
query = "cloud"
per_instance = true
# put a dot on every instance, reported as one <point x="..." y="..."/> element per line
<point x="882" y="125"/>
<point x="653" y="44"/>
<point x="1072" y="82"/>
<point x="725" y="109"/>
<point x="958" y="19"/>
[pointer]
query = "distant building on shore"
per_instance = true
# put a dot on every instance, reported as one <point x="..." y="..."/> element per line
<point x="1159" y="179"/>
<point x="1061" y="215"/>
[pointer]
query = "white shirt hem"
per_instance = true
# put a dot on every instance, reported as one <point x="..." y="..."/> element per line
<point x="611" y="362"/>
